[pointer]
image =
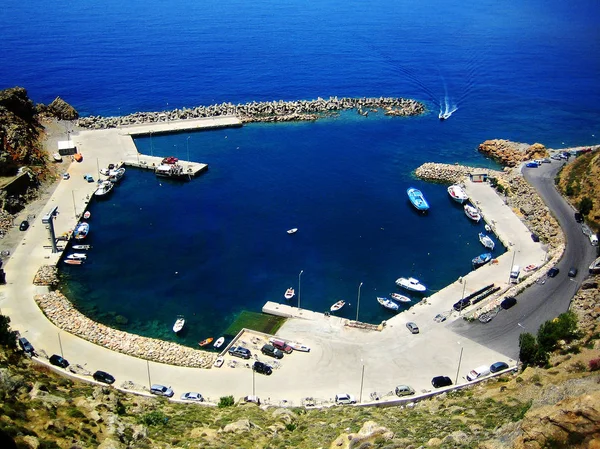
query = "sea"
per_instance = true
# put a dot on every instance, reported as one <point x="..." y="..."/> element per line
<point x="210" y="248"/>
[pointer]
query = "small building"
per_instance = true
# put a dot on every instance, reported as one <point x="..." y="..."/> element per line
<point x="478" y="177"/>
<point x="66" y="148"/>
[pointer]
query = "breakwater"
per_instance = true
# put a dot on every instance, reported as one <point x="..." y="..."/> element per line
<point x="273" y="111"/>
<point x="65" y="316"/>
<point x="449" y="173"/>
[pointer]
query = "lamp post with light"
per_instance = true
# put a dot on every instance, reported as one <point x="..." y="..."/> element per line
<point x="358" y="303"/>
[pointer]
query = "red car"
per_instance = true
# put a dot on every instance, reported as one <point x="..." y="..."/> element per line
<point x="170" y="160"/>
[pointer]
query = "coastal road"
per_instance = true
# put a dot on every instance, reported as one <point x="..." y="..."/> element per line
<point x="540" y="302"/>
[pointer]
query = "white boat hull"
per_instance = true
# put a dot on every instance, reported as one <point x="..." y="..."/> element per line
<point x="410" y="284"/>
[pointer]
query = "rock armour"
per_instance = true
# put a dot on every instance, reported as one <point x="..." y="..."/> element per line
<point x="274" y="111"/>
<point x="511" y="154"/>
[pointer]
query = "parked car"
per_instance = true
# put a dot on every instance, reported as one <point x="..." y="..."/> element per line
<point x="88" y="178"/>
<point x="552" y="272"/>
<point x="572" y="272"/>
<point x="508" y="302"/>
<point x="476" y="373"/>
<point x="345" y="398"/>
<point x="412" y="327"/>
<point x="547" y="160"/>
<point x="66" y="176"/>
<point x="578" y="217"/>
<point x="281" y="345"/>
<point x="191" y="396"/>
<point x="239" y="351"/>
<point x="104" y="377"/>
<point x="26" y="346"/>
<point x="161" y="390"/>
<point x="404" y="390"/>
<point x="252" y="399"/>
<point x="57" y="360"/>
<point x="461" y="304"/>
<point x="441" y="381"/>
<point x="439" y="318"/>
<point x="532" y="164"/>
<point x="535" y="237"/>
<point x="24" y="226"/>
<point x="498" y="366"/>
<point x="271" y="351"/>
<point x="262" y="368"/>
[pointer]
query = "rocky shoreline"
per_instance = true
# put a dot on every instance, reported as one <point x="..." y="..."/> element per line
<point x="59" y="310"/>
<point x="273" y="111"/>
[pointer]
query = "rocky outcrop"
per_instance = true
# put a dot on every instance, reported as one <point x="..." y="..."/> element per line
<point x="59" y="109"/>
<point x="46" y="275"/>
<point x="272" y="111"/>
<point x="511" y="154"/>
<point x="365" y="437"/>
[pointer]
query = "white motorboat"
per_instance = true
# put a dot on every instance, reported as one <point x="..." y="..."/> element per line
<point x="81" y="230"/>
<point x="116" y="174"/>
<point x="87" y="214"/>
<point x="77" y="256"/>
<point x="104" y="188"/>
<point x="74" y="261"/>
<point x="57" y="157"/>
<point x="457" y="193"/>
<point x="219" y="342"/>
<point x="289" y="293"/>
<point x="338" y="305"/>
<point x="179" y="323"/>
<point x="387" y="303"/>
<point x="80" y="247"/>
<point x="411" y="284"/>
<point x="399" y="297"/>
<point x="472" y="213"/>
<point x="292" y="231"/>
<point x="219" y="362"/>
<point x="298" y="346"/>
<point x="486" y="241"/>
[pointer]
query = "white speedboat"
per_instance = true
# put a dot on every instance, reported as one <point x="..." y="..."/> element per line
<point x="81" y="230"/>
<point x="219" y="342"/>
<point x="472" y="213"/>
<point x="457" y="193"/>
<point x="292" y="231"/>
<point x="486" y="241"/>
<point x="104" y="188"/>
<point x="399" y="297"/>
<point x="77" y="256"/>
<point x="298" y="346"/>
<point x="116" y="174"/>
<point x="289" y="293"/>
<point x="338" y="305"/>
<point x="87" y="214"/>
<point x="57" y="157"/>
<point x="80" y="247"/>
<point x="179" y="323"/>
<point x="387" y="303"/>
<point x="219" y="362"/>
<point x="411" y="284"/>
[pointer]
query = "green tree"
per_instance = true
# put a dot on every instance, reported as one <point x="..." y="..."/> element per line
<point x="8" y="337"/>
<point x="528" y="349"/>
<point x="226" y="401"/>
<point x="586" y="205"/>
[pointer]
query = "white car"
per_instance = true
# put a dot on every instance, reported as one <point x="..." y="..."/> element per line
<point x="345" y="398"/>
<point x="191" y="396"/>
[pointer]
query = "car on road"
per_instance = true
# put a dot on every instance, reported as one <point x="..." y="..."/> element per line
<point x="572" y="272"/>
<point x="552" y="272"/>
<point x="24" y="226"/>
<point x="345" y="398"/>
<point x="461" y="304"/>
<point x="262" y="368"/>
<point x="239" y="351"/>
<point x="546" y="160"/>
<point x="66" y="176"/>
<point x="441" y="381"/>
<point x="26" y="346"/>
<point x="532" y="164"/>
<point x="404" y="390"/>
<point x="556" y="157"/>
<point x="439" y="318"/>
<point x="191" y="396"/>
<point x="57" y="360"/>
<point x="104" y="377"/>
<point x="578" y="217"/>
<point x="508" y="302"/>
<point x="161" y="390"/>
<point x="412" y="327"/>
<point x="498" y="366"/>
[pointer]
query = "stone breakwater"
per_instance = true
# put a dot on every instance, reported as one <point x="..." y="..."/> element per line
<point x="47" y="275"/>
<point x="274" y="111"/>
<point x="61" y="312"/>
<point x="449" y="173"/>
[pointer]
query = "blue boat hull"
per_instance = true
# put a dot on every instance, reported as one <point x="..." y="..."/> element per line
<point x="417" y="199"/>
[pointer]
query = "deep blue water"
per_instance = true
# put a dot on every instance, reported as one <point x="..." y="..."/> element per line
<point x="526" y="72"/>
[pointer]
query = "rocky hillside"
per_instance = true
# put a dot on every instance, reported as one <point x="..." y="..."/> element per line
<point x="511" y="154"/>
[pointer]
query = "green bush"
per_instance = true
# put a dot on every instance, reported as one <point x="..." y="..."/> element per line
<point x="154" y="418"/>
<point x="8" y="338"/>
<point x="528" y="349"/>
<point x="586" y="205"/>
<point x="75" y="413"/>
<point x="226" y="401"/>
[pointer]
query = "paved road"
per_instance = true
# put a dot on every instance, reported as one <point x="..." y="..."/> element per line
<point x="540" y="302"/>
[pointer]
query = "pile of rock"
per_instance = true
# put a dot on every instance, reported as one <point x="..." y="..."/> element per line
<point x="46" y="275"/>
<point x="431" y="171"/>
<point x="63" y="314"/>
<point x="511" y="154"/>
<point x="6" y="221"/>
<point x="273" y="111"/>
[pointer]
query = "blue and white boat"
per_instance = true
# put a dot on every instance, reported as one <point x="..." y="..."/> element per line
<point x="387" y="303"/>
<point x="486" y="241"/>
<point x="81" y="230"/>
<point x="417" y="199"/>
<point x="482" y="259"/>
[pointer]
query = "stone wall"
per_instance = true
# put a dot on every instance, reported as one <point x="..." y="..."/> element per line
<point x="63" y="314"/>
<point x="449" y="173"/>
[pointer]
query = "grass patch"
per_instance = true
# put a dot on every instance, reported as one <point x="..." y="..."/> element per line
<point x="261" y="322"/>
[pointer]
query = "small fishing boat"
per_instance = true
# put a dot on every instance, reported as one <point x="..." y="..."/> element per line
<point x="116" y="174"/>
<point x="219" y="342"/>
<point x="298" y="346"/>
<point x="87" y="214"/>
<point x="486" y="241"/>
<point x="399" y="297"/>
<point x="81" y="230"/>
<point x="482" y="259"/>
<point x="289" y="293"/>
<point x="74" y="261"/>
<point x="206" y="341"/>
<point x="77" y="256"/>
<point x="219" y="362"/>
<point x="472" y="213"/>
<point x="531" y="267"/>
<point x="387" y="303"/>
<point x="444" y="115"/>
<point x="104" y="188"/>
<point x="57" y="157"/>
<point x="411" y="284"/>
<point x="179" y="323"/>
<point x="338" y="305"/>
<point x="457" y="193"/>
<point x="488" y="228"/>
<point x="292" y="231"/>
<point x="417" y="199"/>
<point x="80" y="247"/>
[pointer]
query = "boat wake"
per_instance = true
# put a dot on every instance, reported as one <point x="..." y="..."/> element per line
<point x="446" y="109"/>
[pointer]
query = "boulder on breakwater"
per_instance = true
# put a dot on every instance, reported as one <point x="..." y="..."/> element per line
<point x="270" y="111"/>
<point x="511" y="154"/>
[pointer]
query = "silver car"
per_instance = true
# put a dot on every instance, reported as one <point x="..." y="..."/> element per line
<point x="412" y="327"/>
<point x="191" y="396"/>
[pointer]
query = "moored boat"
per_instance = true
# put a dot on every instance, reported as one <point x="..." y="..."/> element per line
<point x="411" y="284"/>
<point x="172" y="171"/>
<point x="472" y="213"/>
<point x="74" y="261"/>
<point x="417" y="199"/>
<point x="77" y="256"/>
<point x="206" y="341"/>
<point x="219" y="362"/>
<point x="289" y="293"/>
<point x="482" y="259"/>
<point x="338" y="305"/>
<point x="457" y="193"/>
<point x="219" y="342"/>
<point x="292" y="231"/>
<point x="87" y="214"/>
<point x="81" y="230"/>
<point x="80" y="247"/>
<point x="486" y="241"/>
<point x="387" y="303"/>
<point x="57" y="157"/>
<point x="116" y="174"/>
<point x="399" y="297"/>
<point x="298" y="346"/>
<point x="179" y="323"/>
<point x="104" y="188"/>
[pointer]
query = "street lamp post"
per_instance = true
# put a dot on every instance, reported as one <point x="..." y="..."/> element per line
<point x="149" y="381"/>
<point x="74" y="207"/>
<point x="358" y="303"/>
<point x="253" y="384"/>
<point x="459" y="360"/>
<point x="512" y="264"/>
<point x="362" y="378"/>
<point x="60" y="345"/>
<point x="299" y="279"/>
<point x="188" y="148"/>
<point x="462" y="306"/>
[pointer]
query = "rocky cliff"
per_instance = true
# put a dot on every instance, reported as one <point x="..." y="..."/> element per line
<point x="511" y="154"/>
